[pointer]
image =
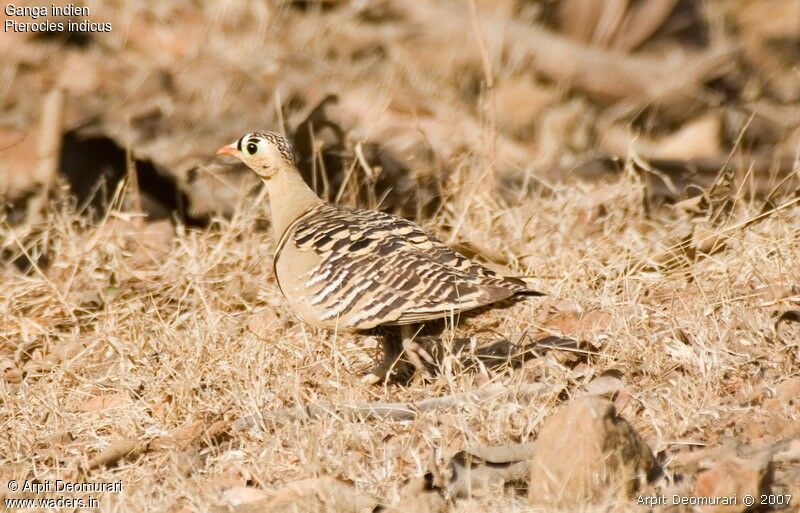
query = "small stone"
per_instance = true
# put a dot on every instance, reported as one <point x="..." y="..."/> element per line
<point x="605" y="385"/>
<point x="732" y="477"/>
<point x="418" y="496"/>
<point x="586" y="452"/>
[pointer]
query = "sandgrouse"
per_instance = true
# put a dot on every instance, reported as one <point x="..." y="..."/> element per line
<point x="353" y="269"/>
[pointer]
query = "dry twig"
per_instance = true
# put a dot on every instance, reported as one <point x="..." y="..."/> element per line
<point x="394" y="411"/>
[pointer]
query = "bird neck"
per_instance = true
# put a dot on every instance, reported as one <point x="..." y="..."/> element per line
<point x="289" y="198"/>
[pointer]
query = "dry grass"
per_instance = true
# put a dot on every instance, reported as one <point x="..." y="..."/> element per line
<point x="177" y="328"/>
<point x="152" y="338"/>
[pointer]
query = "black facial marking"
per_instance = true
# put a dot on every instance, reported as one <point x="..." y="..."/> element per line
<point x="239" y="143"/>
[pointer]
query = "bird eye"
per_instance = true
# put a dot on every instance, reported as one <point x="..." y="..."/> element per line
<point x="252" y="148"/>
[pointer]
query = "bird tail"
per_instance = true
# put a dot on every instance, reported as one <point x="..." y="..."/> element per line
<point x="526" y="284"/>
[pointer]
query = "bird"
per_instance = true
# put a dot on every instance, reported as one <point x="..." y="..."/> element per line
<point x="357" y="270"/>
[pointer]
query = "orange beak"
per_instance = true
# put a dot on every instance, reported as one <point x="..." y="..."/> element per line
<point x="227" y="150"/>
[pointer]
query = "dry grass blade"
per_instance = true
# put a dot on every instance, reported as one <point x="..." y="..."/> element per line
<point x="395" y="411"/>
<point x="48" y="151"/>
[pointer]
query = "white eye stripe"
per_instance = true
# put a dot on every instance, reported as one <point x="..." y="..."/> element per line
<point x="265" y="140"/>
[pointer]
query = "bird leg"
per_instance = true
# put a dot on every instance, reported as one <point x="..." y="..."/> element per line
<point x="397" y="342"/>
<point x="415" y="353"/>
<point x="404" y="350"/>
<point x="496" y="355"/>
<point x="391" y="350"/>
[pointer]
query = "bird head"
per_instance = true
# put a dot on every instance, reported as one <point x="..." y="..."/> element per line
<point x="265" y="153"/>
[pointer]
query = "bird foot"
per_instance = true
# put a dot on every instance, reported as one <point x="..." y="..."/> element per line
<point x="420" y="358"/>
<point x="389" y="368"/>
<point x="405" y="351"/>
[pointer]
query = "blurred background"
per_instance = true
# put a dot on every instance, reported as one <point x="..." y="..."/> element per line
<point x="388" y="100"/>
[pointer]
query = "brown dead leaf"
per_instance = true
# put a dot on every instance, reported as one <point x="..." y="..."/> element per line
<point x="787" y="395"/>
<point x="579" y="18"/>
<point x="732" y="476"/>
<point x="696" y="139"/>
<point x="761" y="25"/>
<point x="772" y="293"/>
<point x="103" y="402"/>
<point x="261" y="323"/>
<point x="186" y="434"/>
<point x="322" y="494"/>
<point x="690" y="461"/>
<point x="180" y="437"/>
<point x="19" y="162"/>
<point x="596" y="320"/>
<point x="418" y="497"/>
<point x="617" y="24"/>
<point x="565" y="323"/>
<point x="641" y="21"/>
<point x="580" y="325"/>
<point x="222" y="483"/>
<point x="520" y="102"/>
<point x="13" y="376"/>
<point x="65" y="351"/>
<point x="777" y="417"/>
<point x="119" y="449"/>
<point x="239" y="495"/>
<point x="218" y="430"/>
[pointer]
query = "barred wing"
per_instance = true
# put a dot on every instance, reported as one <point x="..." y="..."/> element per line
<point x="377" y="268"/>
